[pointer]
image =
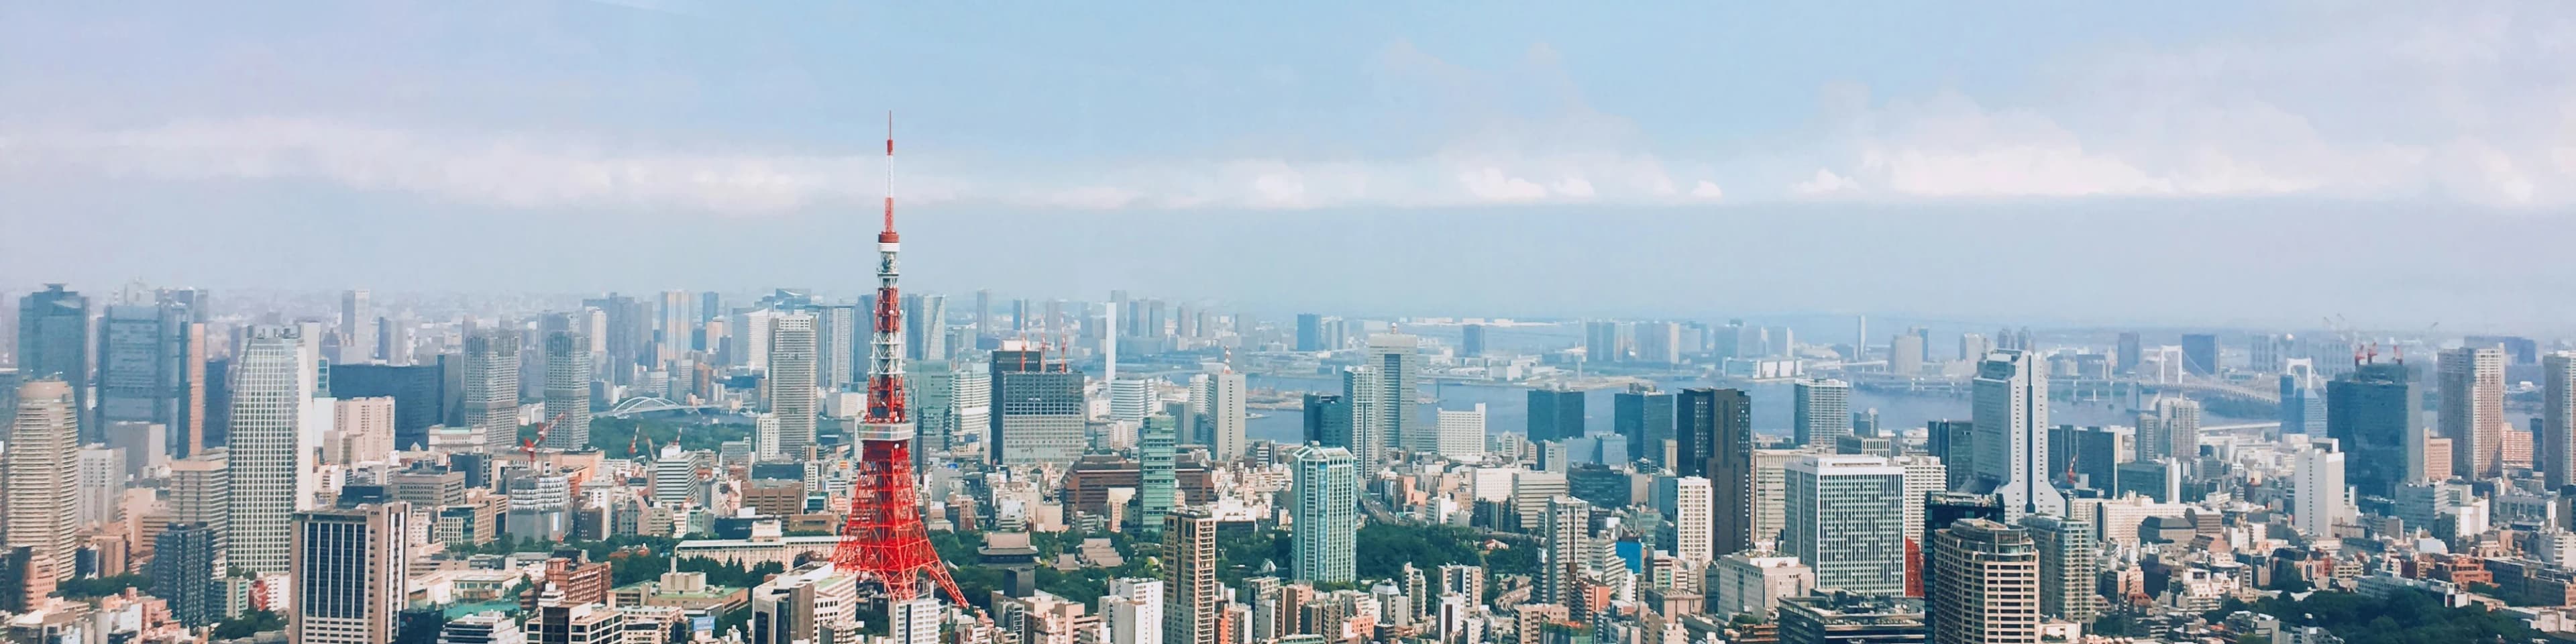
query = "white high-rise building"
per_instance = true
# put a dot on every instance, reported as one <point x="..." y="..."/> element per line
<point x="2177" y="430"/>
<point x="1842" y="519"/>
<point x="1822" y="414"/>
<point x="1324" y="501"/>
<point x="277" y="426"/>
<point x="1226" y="415"/>
<point x="1133" y="611"/>
<point x="2319" y="501"/>
<point x="914" y="621"/>
<point x="1392" y="393"/>
<point x="1686" y="503"/>
<point x="42" y="464"/>
<point x="100" y="480"/>
<point x="362" y="430"/>
<point x="791" y="382"/>
<point x="764" y="437"/>
<point x="568" y="390"/>
<point x="1924" y="475"/>
<point x="2010" y="412"/>
<point x="1462" y="434"/>
<point x="1132" y="399"/>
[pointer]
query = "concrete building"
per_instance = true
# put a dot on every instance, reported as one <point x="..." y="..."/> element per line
<point x="2067" y="567"/>
<point x="1133" y="611"/>
<point x="41" y="474"/>
<point x="568" y="390"/>
<point x="1844" y="517"/>
<point x="1324" y="494"/>
<point x="808" y="604"/>
<point x="277" y="422"/>
<point x="1983" y="583"/>
<point x="1715" y="440"/>
<point x="2556" y="439"/>
<point x="2010" y="408"/>
<point x="1461" y="434"/>
<point x="350" y="566"/>
<point x="2319" y="501"/>
<point x="1192" y="600"/>
<point x="2472" y="409"/>
<point x="1754" y="582"/>
<point x="362" y="430"/>
<point x="1822" y="412"/>
<point x="790" y="383"/>
<point x="491" y="389"/>
<point x="1685" y="503"/>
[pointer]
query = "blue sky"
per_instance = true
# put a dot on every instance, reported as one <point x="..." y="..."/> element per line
<point x="364" y="133"/>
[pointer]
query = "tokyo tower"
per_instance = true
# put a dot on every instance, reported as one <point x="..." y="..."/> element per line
<point x="883" y="538"/>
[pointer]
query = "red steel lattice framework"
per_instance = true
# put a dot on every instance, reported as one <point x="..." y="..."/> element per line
<point x="883" y="538"/>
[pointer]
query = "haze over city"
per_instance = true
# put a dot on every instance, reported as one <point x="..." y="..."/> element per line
<point x="690" y="322"/>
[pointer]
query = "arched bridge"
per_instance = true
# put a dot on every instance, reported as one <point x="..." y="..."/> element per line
<point x="640" y="405"/>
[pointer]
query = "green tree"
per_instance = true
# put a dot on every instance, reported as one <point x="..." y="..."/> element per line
<point x="250" y="623"/>
<point x="91" y="587"/>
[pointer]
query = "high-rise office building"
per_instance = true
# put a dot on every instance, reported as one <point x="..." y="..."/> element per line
<point x="1715" y="440"/>
<point x="2303" y="402"/>
<point x="183" y="573"/>
<point x="1905" y="355"/>
<point x="1686" y="505"/>
<point x="1659" y="343"/>
<point x="1132" y="399"/>
<point x="53" y="342"/>
<point x="349" y="567"/>
<point x="1924" y="477"/>
<point x="2124" y="358"/>
<point x="357" y="328"/>
<point x="677" y="322"/>
<point x="1822" y="413"/>
<point x="491" y="388"/>
<point x="791" y="379"/>
<point x="2176" y="431"/>
<point x="1555" y="414"/>
<point x="2067" y="549"/>
<point x="1607" y="342"/>
<point x="2371" y="414"/>
<point x="143" y="369"/>
<point x="201" y="491"/>
<point x="925" y="327"/>
<point x="1327" y="420"/>
<point x="838" y="352"/>
<point x="627" y="336"/>
<point x="2200" y="354"/>
<point x="1461" y="434"/>
<point x="1844" y="516"/>
<point x="1324" y="499"/>
<point x="277" y="423"/>
<point x="1226" y="415"/>
<point x="1988" y="578"/>
<point x="2319" y="501"/>
<point x="1192" y="600"/>
<point x="2472" y="409"/>
<point x="362" y="430"/>
<point x="567" y="390"/>
<point x="1310" y="332"/>
<point x="1038" y="414"/>
<point x="42" y="476"/>
<point x="1471" y="341"/>
<point x="2010" y="408"/>
<point x="1645" y="417"/>
<point x="2556" y="435"/>
<point x="1391" y="398"/>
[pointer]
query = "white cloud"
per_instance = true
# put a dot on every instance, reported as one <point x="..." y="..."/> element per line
<point x="1706" y="191"/>
<point x="1825" y="183"/>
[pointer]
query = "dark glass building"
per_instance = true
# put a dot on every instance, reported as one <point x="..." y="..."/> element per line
<point x="1714" y="439"/>
<point x="1645" y="417"/>
<point x="1328" y="420"/>
<point x="2374" y="412"/>
<point x="418" y="391"/>
<point x="183" y="573"/>
<point x="1555" y="415"/>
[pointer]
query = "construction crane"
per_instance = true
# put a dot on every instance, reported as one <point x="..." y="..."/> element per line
<point x="529" y="445"/>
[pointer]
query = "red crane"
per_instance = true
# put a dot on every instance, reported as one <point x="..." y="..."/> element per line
<point x="883" y="538"/>
<point x="529" y="446"/>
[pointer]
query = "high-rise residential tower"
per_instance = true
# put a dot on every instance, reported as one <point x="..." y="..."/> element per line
<point x="357" y="328"/>
<point x="491" y="388"/>
<point x="1324" y="499"/>
<point x="2067" y="552"/>
<point x="1822" y="414"/>
<point x="1987" y="581"/>
<point x="41" y="474"/>
<point x="2556" y="442"/>
<point x="1192" y="600"/>
<point x="2472" y="409"/>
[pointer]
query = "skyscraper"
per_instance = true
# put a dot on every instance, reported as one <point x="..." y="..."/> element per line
<point x="1645" y="417"/>
<point x="1823" y="412"/>
<point x="357" y="328"/>
<point x="276" y="428"/>
<point x="1686" y="505"/>
<point x="350" y="565"/>
<point x="2067" y="548"/>
<point x="2125" y="358"/>
<point x="183" y="573"/>
<point x="1157" y="483"/>
<point x="1037" y="413"/>
<point x="1324" y="499"/>
<point x="1327" y="420"/>
<point x="419" y="393"/>
<point x="1715" y="440"/>
<point x="927" y="327"/>
<point x="1988" y="581"/>
<point x="839" y="355"/>
<point x="568" y="390"/>
<point x="2371" y="414"/>
<point x="1555" y="414"/>
<point x="791" y="383"/>
<point x="1392" y="398"/>
<point x="2200" y="354"/>
<point x="2556" y="441"/>
<point x="1226" y="415"/>
<point x="2472" y="411"/>
<point x="53" y="342"/>
<point x="201" y="492"/>
<point x="629" y="336"/>
<point x="2303" y="404"/>
<point x="1568" y="528"/>
<point x="678" y="321"/>
<point x="1133" y="611"/>
<point x="2010" y="408"/>
<point x="1845" y="518"/>
<point x="1905" y="355"/>
<point x="1461" y="434"/>
<point x="1192" y="599"/>
<point x="1471" y="341"/>
<point x="491" y="389"/>
<point x="2318" y="500"/>
<point x="42" y="473"/>
<point x="1310" y="332"/>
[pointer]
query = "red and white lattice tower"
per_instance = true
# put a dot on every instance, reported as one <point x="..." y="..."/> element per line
<point x="883" y="538"/>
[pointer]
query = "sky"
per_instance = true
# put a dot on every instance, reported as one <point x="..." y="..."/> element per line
<point x="2172" y="163"/>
